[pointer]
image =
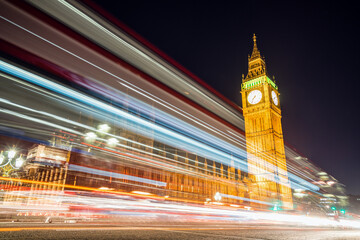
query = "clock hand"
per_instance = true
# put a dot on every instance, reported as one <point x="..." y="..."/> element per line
<point x="253" y="99"/>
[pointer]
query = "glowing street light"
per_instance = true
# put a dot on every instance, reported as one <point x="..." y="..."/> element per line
<point x="19" y="162"/>
<point x="1" y="158"/>
<point x="90" y="136"/>
<point x="11" y="154"/>
<point x="112" y="142"/>
<point x="104" y="128"/>
<point x="9" y="161"/>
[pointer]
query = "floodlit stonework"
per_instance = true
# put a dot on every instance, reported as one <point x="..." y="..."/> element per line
<point x="264" y="136"/>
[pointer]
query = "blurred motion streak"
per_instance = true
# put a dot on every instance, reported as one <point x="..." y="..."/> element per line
<point x="96" y="126"/>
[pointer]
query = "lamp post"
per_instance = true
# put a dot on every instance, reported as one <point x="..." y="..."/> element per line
<point x="100" y="134"/>
<point x="9" y="162"/>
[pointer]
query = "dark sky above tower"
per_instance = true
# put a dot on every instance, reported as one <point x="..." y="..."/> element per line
<point x="311" y="48"/>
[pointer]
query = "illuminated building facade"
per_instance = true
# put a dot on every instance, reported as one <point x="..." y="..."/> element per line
<point x="47" y="164"/>
<point x="264" y="137"/>
<point x="138" y="163"/>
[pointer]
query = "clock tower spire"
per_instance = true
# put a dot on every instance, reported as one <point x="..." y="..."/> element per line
<point x="255" y="52"/>
<point x="264" y="137"/>
<point x="257" y="66"/>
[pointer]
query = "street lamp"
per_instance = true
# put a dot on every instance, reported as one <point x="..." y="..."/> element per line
<point x="11" y="154"/>
<point x="7" y="162"/>
<point x="2" y="158"/>
<point x="112" y="142"/>
<point x="90" y="136"/>
<point x="104" y="128"/>
<point x="19" y="162"/>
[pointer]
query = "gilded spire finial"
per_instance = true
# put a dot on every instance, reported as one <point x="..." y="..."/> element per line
<point x="257" y="65"/>
<point x="255" y="52"/>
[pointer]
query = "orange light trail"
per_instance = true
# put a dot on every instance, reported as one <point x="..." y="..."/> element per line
<point x="99" y="190"/>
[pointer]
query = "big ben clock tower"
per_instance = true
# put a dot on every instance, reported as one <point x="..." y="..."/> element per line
<point x="264" y="137"/>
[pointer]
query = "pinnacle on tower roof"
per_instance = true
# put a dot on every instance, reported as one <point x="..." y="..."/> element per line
<point x="255" y="53"/>
<point x="257" y="66"/>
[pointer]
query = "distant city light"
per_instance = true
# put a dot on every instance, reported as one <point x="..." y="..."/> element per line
<point x="217" y="197"/>
<point x="330" y="183"/>
<point x="276" y="208"/>
<point x="141" y="193"/>
<point x="105" y="188"/>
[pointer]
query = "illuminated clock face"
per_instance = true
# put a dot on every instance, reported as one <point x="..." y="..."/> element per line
<point x="274" y="98"/>
<point x="254" y="97"/>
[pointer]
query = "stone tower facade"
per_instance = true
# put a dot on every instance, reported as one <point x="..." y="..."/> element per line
<point x="264" y="136"/>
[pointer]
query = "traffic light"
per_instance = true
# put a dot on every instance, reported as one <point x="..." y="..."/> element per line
<point x="343" y="211"/>
<point x="333" y="208"/>
<point x="276" y="208"/>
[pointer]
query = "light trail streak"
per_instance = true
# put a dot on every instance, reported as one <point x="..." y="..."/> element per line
<point x="160" y="132"/>
<point x="96" y="130"/>
<point x="116" y="205"/>
<point x="242" y="153"/>
<point x="88" y="62"/>
<point x="154" y="163"/>
<point x="245" y="199"/>
<point x="69" y="186"/>
<point x="266" y="163"/>
<point x="172" y="75"/>
<point x="56" y="117"/>
<point x="88" y="170"/>
<point x="91" y="129"/>
<point x="189" y="130"/>
<point x="296" y="181"/>
<point x="37" y="120"/>
<point x="63" y="2"/>
<point x="77" y="11"/>
<point x="242" y="163"/>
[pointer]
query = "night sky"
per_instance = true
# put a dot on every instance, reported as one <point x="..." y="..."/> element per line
<point x="311" y="49"/>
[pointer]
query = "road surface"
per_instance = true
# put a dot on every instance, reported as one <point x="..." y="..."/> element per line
<point x="174" y="232"/>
